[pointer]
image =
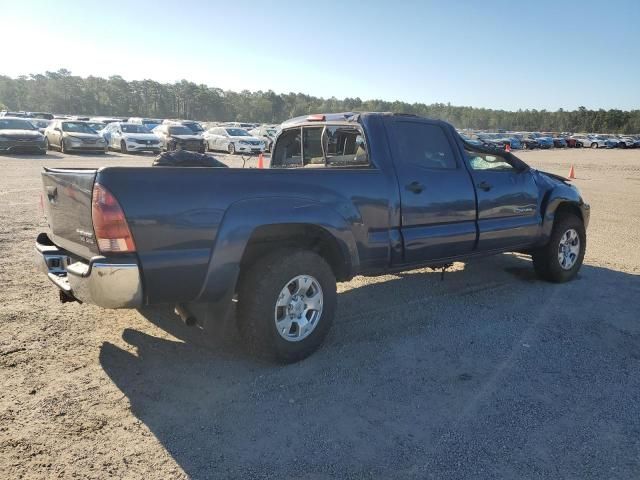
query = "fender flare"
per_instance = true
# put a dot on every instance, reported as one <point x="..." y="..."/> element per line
<point x="241" y="220"/>
<point x="561" y="195"/>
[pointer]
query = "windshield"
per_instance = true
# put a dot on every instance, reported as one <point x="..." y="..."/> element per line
<point x="96" y="125"/>
<point x="40" y="123"/>
<point x="180" y="130"/>
<point x="194" y="127"/>
<point x="77" y="127"/>
<point x="271" y="132"/>
<point x="151" y="125"/>
<point x="132" y="128"/>
<point x="15" y="124"/>
<point x="237" y="132"/>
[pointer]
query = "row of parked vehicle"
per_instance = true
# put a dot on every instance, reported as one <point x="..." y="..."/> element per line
<point x="533" y="140"/>
<point x="139" y="134"/>
<point x="128" y="135"/>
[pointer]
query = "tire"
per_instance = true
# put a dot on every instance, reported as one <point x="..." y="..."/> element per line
<point x="231" y="148"/>
<point x="62" y="147"/>
<point x="546" y="259"/>
<point x="594" y="145"/>
<point x="263" y="286"/>
<point x="123" y="147"/>
<point x="206" y="147"/>
<point x="46" y="143"/>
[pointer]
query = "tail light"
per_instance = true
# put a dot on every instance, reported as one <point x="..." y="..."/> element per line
<point x="109" y="223"/>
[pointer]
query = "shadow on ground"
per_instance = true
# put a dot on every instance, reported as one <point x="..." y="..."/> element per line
<point x="489" y="373"/>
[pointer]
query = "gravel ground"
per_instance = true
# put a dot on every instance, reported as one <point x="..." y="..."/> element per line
<point x="487" y="374"/>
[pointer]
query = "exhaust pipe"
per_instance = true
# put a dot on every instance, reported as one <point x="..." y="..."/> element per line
<point x="186" y="316"/>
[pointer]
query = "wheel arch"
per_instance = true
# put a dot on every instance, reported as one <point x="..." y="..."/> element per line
<point x="562" y="200"/>
<point x="252" y="227"/>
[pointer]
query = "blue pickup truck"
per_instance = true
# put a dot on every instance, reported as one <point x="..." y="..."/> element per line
<point x="346" y="194"/>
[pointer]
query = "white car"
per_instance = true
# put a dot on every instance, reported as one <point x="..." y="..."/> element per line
<point x="130" y="137"/>
<point x="591" y="141"/>
<point x="626" y="142"/>
<point x="232" y="140"/>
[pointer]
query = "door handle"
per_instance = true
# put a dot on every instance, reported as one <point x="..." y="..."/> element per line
<point x="415" y="187"/>
<point x="484" y="186"/>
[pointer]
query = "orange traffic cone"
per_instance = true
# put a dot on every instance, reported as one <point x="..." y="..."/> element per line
<point x="261" y="161"/>
<point x="507" y="147"/>
<point x="572" y="173"/>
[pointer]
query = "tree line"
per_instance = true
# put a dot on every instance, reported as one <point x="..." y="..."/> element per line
<point x="63" y="93"/>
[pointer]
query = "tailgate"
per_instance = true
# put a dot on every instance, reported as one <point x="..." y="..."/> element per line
<point x="67" y="206"/>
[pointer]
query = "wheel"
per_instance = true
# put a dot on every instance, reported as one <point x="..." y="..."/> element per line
<point x="286" y="304"/>
<point x="123" y="146"/>
<point x="206" y="147"/>
<point x="561" y="258"/>
<point x="63" y="149"/>
<point x="46" y="143"/>
<point x="231" y="148"/>
<point x="594" y="145"/>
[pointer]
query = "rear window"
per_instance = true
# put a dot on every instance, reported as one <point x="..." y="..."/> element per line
<point x="321" y="147"/>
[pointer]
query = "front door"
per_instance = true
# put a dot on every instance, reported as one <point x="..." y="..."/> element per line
<point x="438" y="203"/>
<point x="508" y="212"/>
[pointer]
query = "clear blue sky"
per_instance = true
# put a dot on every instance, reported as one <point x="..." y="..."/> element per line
<point x="498" y="54"/>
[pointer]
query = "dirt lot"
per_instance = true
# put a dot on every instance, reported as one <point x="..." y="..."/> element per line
<point x="489" y="373"/>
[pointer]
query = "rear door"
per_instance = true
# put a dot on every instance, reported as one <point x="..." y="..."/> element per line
<point x="438" y="204"/>
<point x="508" y="213"/>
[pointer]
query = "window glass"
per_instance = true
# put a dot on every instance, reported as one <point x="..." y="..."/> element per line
<point x="288" y="152"/>
<point x="424" y="145"/>
<point x="312" y="141"/>
<point x="345" y="147"/>
<point x="77" y="127"/>
<point x="485" y="161"/>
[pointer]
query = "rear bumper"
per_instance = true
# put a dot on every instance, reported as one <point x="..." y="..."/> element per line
<point x="108" y="283"/>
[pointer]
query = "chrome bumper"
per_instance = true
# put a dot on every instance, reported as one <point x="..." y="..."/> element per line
<point x="104" y="282"/>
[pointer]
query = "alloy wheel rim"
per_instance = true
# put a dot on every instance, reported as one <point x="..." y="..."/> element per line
<point x="298" y="308"/>
<point x="569" y="249"/>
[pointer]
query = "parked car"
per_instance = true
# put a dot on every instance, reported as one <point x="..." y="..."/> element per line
<point x="559" y="142"/>
<point x="233" y="140"/>
<point x="611" y="142"/>
<point x="626" y="142"/>
<point x="150" y="123"/>
<point x="73" y="135"/>
<point x="344" y="195"/>
<point x="490" y="140"/>
<point x="130" y="137"/>
<point x="529" y="143"/>
<point x="542" y="140"/>
<point x="18" y="135"/>
<point x="244" y="126"/>
<point x="572" y="142"/>
<point x="43" y="115"/>
<point x="174" y="137"/>
<point x="104" y="120"/>
<point x="266" y="133"/>
<point x="40" y="123"/>
<point x="195" y="127"/>
<point x="7" y="113"/>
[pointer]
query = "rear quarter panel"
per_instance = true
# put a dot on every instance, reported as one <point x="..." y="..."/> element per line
<point x="191" y="225"/>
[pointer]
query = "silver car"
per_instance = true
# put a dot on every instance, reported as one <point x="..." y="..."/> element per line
<point x="73" y="135"/>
